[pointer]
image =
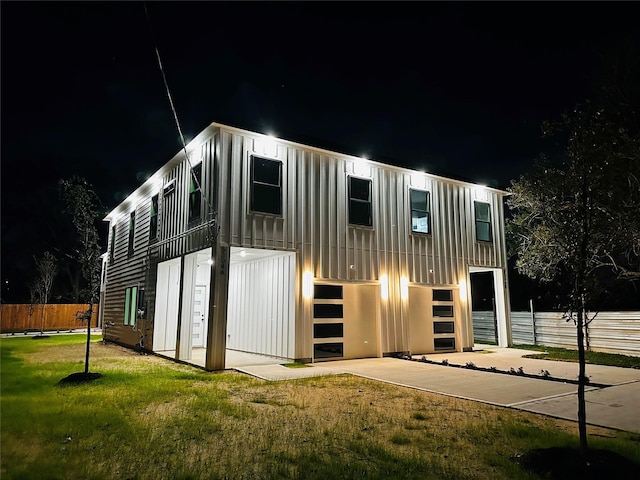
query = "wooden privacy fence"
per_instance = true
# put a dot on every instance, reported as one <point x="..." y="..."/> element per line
<point x="24" y="317"/>
<point x="613" y="332"/>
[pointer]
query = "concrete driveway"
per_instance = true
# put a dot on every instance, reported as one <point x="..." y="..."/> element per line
<point x="614" y="404"/>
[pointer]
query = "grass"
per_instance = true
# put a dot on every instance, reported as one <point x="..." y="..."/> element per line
<point x="149" y="418"/>
<point x="568" y="355"/>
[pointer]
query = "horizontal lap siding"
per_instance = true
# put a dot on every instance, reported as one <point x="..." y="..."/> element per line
<point x="139" y="269"/>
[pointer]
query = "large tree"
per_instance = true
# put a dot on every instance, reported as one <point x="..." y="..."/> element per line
<point x="82" y="204"/>
<point x="575" y="218"/>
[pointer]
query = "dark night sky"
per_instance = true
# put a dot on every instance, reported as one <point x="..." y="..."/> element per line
<point x="457" y="88"/>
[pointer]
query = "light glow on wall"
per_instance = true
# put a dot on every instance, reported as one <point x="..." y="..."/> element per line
<point x="463" y="290"/>
<point x="270" y="146"/>
<point x="361" y="168"/>
<point x="404" y="288"/>
<point x="384" y="287"/>
<point x="419" y="180"/>
<point x="307" y="284"/>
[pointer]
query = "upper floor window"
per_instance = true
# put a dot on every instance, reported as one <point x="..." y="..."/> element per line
<point x="132" y="231"/>
<point x="360" y="201"/>
<point x="195" y="193"/>
<point x="483" y="222"/>
<point x="266" y="185"/>
<point x="112" y="246"/>
<point x="420" y="211"/>
<point x="153" y="218"/>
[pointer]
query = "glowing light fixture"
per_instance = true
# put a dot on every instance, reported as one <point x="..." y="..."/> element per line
<point x="362" y="168"/>
<point x="307" y="284"/>
<point x="243" y="253"/>
<point x="384" y="287"/>
<point x="404" y="288"/>
<point x="210" y="261"/>
<point x="418" y="179"/>
<point x="270" y="146"/>
<point x="463" y="290"/>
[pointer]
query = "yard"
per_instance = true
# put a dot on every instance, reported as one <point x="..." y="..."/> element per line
<point x="149" y="418"/>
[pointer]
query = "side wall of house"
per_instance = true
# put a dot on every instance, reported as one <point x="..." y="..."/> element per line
<point x="176" y="236"/>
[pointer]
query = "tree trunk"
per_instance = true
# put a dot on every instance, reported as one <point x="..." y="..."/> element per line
<point x="582" y="380"/>
<point x="86" y="356"/>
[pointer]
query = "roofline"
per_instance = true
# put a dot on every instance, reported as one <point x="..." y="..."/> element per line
<point x="150" y="184"/>
<point x="353" y="157"/>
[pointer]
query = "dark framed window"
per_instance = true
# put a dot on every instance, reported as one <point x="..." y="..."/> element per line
<point x="153" y="218"/>
<point x="327" y="330"/>
<point x="195" y="193"/>
<point x="483" y="222"/>
<point x="360" y="201"/>
<point x="169" y="188"/>
<point x="130" y="305"/>
<point x="132" y="231"/>
<point x="442" y="310"/>
<point x="444" y="343"/>
<point x="333" y="292"/>
<point x="112" y="246"/>
<point x="328" y="350"/>
<point x="266" y="185"/>
<point x="443" y="295"/>
<point x="443" y="327"/>
<point x="420" y="211"/>
<point x="327" y="310"/>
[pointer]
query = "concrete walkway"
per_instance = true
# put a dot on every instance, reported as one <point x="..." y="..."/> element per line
<point x="616" y="404"/>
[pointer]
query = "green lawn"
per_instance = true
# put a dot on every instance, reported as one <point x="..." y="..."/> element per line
<point x="567" y="355"/>
<point x="149" y="418"/>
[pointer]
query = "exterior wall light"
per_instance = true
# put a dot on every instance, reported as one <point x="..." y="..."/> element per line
<point x="307" y="284"/>
<point x="270" y="146"/>
<point x="404" y="288"/>
<point x="384" y="287"/>
<point x="463" y="290"/>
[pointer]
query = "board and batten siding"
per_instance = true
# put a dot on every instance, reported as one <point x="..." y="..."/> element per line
<point x="314" y="222"/>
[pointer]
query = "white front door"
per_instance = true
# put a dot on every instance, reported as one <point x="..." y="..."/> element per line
<point x="199" y="316"/>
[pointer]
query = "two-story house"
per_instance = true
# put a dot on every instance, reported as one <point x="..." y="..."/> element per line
<point x="252" y="243"/>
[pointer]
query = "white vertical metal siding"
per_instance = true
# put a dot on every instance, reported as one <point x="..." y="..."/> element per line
<point x="314" y="223"/>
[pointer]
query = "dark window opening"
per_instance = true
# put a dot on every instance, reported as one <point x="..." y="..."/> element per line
<point x="420" y="211"/>
<point x="483" y="221"/>
<point x="328" y="350"/>
<point x="327" y="291"/>
<point x="112" y="247"/>
<point x="266" y="185"/>
<point x="132" y="231"/>
<point x="443" y="310"/>
<point x="443" y="295"/>
<point x="169" y="188"/>
<point x="327" y="310"/>
<point x="443" y="327"/>
<point x="327" y="330"/>
<point x="444" y="343"/>
<point x="360" y="202"/>
<point x="195" y="193"/>
<point x="153" y="218"/>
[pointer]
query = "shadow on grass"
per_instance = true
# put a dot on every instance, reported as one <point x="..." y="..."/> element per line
<point x="556" y="463"/>
<point x="79" y="378"/>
